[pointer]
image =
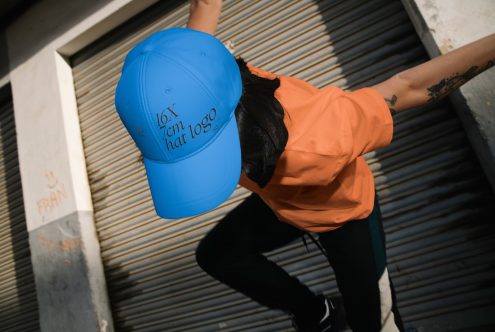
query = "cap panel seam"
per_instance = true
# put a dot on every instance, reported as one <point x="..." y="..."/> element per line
<point x="146" y="107"/>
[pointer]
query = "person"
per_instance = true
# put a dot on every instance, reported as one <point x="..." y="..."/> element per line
<point x="300" y="150"/>
<point x="324" y="185"/>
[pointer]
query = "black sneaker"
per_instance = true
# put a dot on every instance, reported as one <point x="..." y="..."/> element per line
<point x="327" y="324"/>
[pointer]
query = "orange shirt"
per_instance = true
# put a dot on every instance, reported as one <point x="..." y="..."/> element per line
<point x="321" y="180"/>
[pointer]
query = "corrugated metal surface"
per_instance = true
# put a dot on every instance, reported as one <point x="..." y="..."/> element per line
<point x="435" y="200"/>
<point x="18" y="303"/>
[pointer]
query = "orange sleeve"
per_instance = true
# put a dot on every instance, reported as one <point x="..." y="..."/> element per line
<point x="334" y="130"/>
<point x="328" y="129"/>
<point x="370" y="121"/>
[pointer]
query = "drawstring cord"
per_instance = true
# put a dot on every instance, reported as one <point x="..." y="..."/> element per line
<point x="315" y="241"/>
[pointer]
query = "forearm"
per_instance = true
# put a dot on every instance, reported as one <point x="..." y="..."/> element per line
<point x="204" y="15"/>
<point x="434" y="79"/>
<point x="438" y="77"/>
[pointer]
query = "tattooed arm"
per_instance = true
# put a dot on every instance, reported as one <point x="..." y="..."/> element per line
<point x="434" y="79"/>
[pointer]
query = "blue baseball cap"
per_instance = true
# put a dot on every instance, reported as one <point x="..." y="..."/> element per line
<point x="176" y="96"/>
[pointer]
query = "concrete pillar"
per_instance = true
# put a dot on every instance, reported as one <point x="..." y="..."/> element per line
<point x="69" y="276"/>
<point x="444" y="25"/>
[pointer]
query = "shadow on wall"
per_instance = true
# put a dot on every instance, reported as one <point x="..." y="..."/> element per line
<point x="4" y="57"/>
<point x="43" y="22"/>
<point x="18" y="305"/>
<point x="9" y="12"/>
<point x="429" y="182"/>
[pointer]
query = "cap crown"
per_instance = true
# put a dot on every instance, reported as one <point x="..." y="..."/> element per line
<point x="178" y="90"/>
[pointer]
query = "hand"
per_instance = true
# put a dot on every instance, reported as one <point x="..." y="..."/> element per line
<point x="204" y="15"/>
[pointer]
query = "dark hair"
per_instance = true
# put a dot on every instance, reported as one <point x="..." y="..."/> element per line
<point x="260" y="121"/>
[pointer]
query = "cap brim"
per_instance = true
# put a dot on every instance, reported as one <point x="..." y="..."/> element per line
<point x="200" y="182"/>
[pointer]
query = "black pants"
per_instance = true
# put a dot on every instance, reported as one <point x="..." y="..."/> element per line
<point x="232" y="252"/>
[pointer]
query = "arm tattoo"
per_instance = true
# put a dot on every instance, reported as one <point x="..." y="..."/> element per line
<point x="391" y="103"/>
<point x="447" y="85"/>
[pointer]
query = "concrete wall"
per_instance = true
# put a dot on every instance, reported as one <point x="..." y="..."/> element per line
<point x="66" y="258"/>
<point x="444" y="25"/>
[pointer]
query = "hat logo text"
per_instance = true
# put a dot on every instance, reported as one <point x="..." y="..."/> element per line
<point x="175" y="134"/>
<point x="166" y="116"/>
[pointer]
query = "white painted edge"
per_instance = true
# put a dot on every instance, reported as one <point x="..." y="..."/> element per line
<point x="72" y="133"/>
<point x="81" y="35"/>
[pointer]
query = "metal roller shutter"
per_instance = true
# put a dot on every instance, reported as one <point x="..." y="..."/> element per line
<point x="18" y="303"/>
<point x="435" y="200"/>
